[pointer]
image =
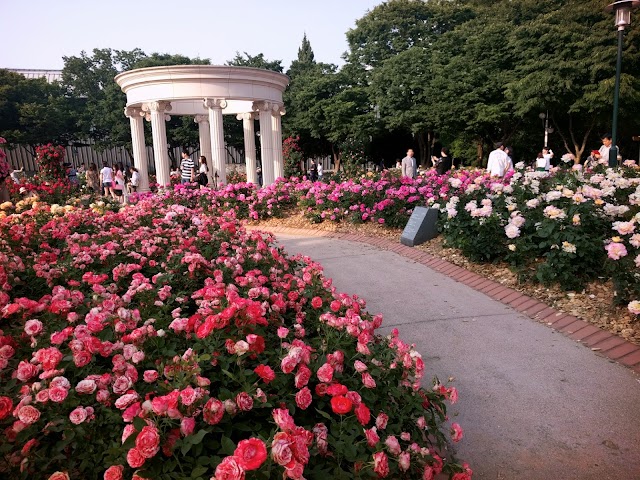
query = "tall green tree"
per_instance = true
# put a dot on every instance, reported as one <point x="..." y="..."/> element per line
<point x="34" y="112"/>
<point x="256" y="61"/>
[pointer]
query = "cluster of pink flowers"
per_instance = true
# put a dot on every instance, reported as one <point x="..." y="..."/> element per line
<point x="165" y="331"/>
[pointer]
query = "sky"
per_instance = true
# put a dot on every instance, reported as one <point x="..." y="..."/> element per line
<point x="38" y="33"/>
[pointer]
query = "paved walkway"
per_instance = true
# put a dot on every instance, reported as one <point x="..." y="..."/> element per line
<point x="534" y="403"/>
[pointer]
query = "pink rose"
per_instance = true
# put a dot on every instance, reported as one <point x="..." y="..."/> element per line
<point x="303" y="398"/>
<point x="615" y="251"/>
<point x="125" y="400"/>
<point x="59" y="476"/>
<point x="381" y="464"/>
<point x="86" y="387"/>
<point x="280" y="449"/>
<point x="381" y="421"/>
<point x="78" y="416"/>
<point x="229" y="469"/>
<point x="283" y="332"/>
<point x="150" y="376"/>
<point x="114" y="472"/>
<point x="187" y="426"/>
<point x="28" y="414"/>
<point x="244" y="401"/>
<point x="393" y="445"/>
<point x="121" y="384"/>
<point x="127" y="432"/>
<point x="325" y="373"/>
<point x="58" y="394"/>
<point x="368" y="380"/>
<point x="33" y="327"/>
<point x="283" y="419"/>
<point x="303" y="375"/>
<point x="404" y="461"/>
<point x="316" y="302"/>
<point x="148" y="441"/>
<point x="188" y="395"/>
<point x="26" y="371"/>
<point x="456" y="432"/>
<point x="135" y="459"/>
<point x="372" y="437"/>
<point x="360" y="366"/>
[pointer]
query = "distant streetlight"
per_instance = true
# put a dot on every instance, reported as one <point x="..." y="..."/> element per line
<point x="547" y="129"/>
<point x="622" y="11"/>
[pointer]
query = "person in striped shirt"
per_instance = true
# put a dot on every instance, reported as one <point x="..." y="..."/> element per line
<point x="187" y="168"/>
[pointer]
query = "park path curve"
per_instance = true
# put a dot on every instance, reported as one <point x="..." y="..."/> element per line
<point x="534" y="403"/>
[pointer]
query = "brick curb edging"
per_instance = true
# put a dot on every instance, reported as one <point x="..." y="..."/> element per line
<point x="602" y="342"/>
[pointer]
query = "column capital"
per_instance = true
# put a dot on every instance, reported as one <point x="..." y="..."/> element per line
<point x="246" y="116"/>
<point x="132" y="112"/>
<point x="212" y="103"/>
<point x="201" y="118"/>
<point x="158" y="106"/>
<point x="267" y="106"/>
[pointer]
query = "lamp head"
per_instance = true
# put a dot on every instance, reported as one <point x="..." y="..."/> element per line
<point x="622" y="11"/>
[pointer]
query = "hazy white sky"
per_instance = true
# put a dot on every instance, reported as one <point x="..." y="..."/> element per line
<point x="38" y="33"/>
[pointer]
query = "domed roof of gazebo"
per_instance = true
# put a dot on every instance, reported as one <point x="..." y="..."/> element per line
<point x="186" y="86"/>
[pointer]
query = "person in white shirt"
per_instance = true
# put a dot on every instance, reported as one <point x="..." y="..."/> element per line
<point x="547" y="154"/>
<point x="604" y="149"/>
<point x="106" y="180"/>
<point x="498" y="161"/>
<point x="509" y="152"/>
<point x="320" y="170"/>
<point x="135" y="180"/>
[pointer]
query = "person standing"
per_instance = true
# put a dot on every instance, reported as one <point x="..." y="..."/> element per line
<point x="93" y="179"/>
<point x="313" y="171"/>
<point x="604" y="149"/>
<point x="445" y="162"/>
<point x="320" y="171"/>
<point x="106" y="180"/>
<point x="187" y="168"/>
<point x="497" y="163"/>
<point x="509" y="152"/>
<point x="203" y="171"/>
<point x="118" y="185"/>
<point x="409" y="166"/>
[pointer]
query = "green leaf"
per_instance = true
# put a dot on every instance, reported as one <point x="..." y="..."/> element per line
<point x="198" y="471"/>
<point x="228" y="447"/>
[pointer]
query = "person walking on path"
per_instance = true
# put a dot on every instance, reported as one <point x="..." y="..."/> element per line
<point x="187" y="168"/>
<point x="497" y="163"/>
<point x="409" y="167"/>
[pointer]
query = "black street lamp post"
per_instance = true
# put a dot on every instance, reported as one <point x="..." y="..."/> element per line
<point x="622" y="11"/>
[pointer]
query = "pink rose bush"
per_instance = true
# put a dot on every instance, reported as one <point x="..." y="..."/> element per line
<point x="164" y="340"/>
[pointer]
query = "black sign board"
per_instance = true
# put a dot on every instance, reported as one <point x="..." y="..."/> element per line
<point x="421" y="227"/>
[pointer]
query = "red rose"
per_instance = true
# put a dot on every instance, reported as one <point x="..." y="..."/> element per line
<point x="341" y="405"/>
<point x="213" y="411"/>
<point x="229" y="469"/>
<point x="303" y="375"/>
<point x="316" y="302"/>
<point x="6" y="406"/>
<point x="265" y="372"/>
<point x="148" y="442"/>
<point x="114" y="472"/>
<point x="303" y="398"/>
<point x="337" y="389"/>
<point x="251" y="453"/>
<point x="363" y="414"/>
<point x="244" y="401"/>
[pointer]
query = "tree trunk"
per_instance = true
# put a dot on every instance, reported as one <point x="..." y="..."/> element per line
<point x="480" y="151"/>
<point x="422" y="139"/>
<point x="336" y="157"/>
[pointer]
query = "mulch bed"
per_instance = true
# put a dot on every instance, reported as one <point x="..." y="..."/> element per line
<point x="593" y="304"/>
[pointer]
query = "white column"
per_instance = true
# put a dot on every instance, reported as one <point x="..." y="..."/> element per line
<point x="249" y="146"/>
<point x="218" y="152"/>
<point x="276" y="127"/>
<point x="138" y="146"/>
<point x="266" y="142"/>
<point x="205" y="143"/>
<point x="159" y="130"/>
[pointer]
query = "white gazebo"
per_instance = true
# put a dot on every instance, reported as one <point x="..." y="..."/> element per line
<point x="206" y="92"/>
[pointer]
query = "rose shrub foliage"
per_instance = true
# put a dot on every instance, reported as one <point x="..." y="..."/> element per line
<point x="163" y="341"/>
